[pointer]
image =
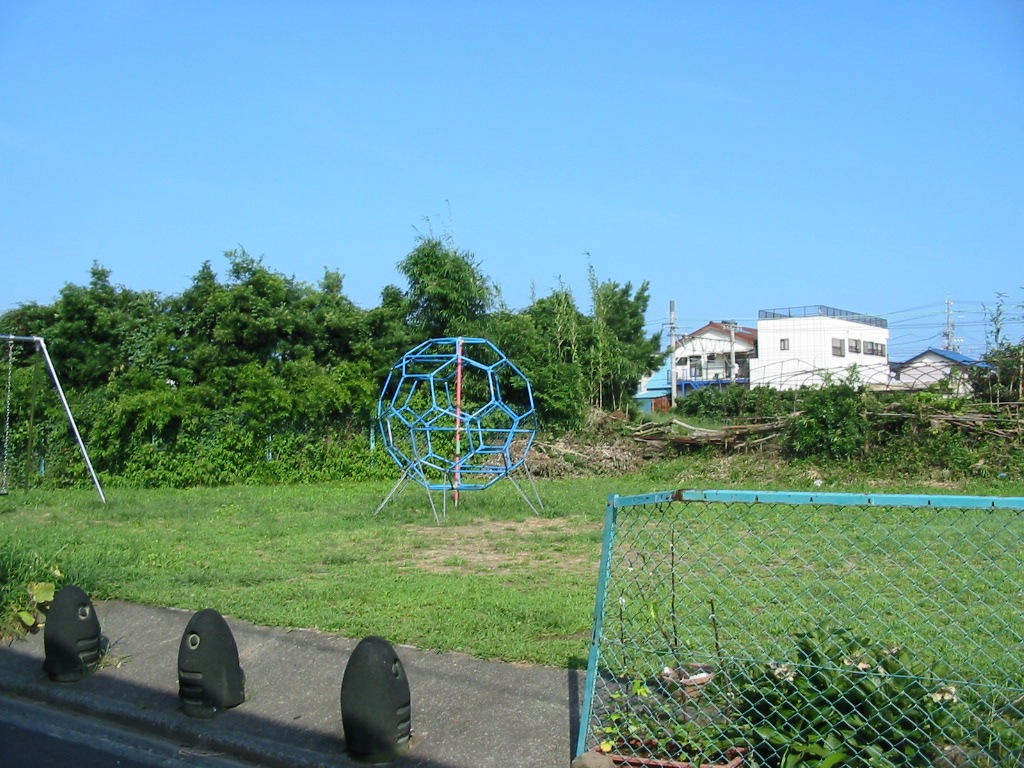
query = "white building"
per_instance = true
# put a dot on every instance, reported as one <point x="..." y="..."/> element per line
<point x="718" y="352"/>
<point x="808" y="346"/>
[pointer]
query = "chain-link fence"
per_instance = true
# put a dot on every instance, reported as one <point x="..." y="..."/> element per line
<point x="785" y="629"/>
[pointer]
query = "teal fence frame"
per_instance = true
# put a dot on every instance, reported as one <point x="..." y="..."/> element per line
<point x="778" y="628"/>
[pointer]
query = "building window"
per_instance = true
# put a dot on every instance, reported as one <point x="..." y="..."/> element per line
<point x="695" y="368"/>
<point x="874" y="348"/>
<point x="854" y="346"/>
<point x="783" y="344"/>
<point x="838" y="348"/>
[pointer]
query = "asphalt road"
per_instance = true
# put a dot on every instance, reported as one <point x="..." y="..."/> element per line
<point x="34" y="734"/>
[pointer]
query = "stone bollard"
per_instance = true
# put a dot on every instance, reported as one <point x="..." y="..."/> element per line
<point x="71" y="636"/>
<point x="210" y="679"/>
<point x="376" y="708"/>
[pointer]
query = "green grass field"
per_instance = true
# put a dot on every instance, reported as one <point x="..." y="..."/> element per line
<point x="492" y="580"/>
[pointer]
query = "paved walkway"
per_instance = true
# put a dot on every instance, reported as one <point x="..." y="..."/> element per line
<point x="466" y="713"/>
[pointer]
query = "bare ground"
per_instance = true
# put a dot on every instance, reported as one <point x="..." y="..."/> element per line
<point x="497" y="546"/>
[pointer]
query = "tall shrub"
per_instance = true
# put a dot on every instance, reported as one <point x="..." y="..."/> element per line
<point x="831" y="425"/>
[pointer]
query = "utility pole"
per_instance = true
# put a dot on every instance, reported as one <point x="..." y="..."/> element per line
<point x="733" y="327"/>
<point x="672" y="353"/>
<point x="949" y="334"/>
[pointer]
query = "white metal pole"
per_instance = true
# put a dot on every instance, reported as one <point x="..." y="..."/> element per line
<point x="672" y="353"/>
<point x="71" y="419"/>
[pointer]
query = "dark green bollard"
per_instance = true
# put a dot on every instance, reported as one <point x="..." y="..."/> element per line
<point x="376" y="709"/>
<point x="71" y="636"/>
<point x="210" y="679"/>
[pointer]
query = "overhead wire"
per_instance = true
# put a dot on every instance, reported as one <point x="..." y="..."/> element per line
<point x="921" y="325"/>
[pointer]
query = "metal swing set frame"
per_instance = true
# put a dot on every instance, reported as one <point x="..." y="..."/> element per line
<point x="40" y="345"/>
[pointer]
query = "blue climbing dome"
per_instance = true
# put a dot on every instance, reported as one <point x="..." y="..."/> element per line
<point x="456" y="415"/>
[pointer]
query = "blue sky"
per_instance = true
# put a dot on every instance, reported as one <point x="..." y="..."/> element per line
<point x="737" y="155"/>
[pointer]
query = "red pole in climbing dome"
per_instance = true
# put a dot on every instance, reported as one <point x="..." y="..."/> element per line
<point x="458" y="419"/>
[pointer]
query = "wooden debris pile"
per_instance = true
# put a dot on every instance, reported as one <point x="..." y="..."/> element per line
<point x="678" y="434"/>
<point x="1004" y="421"/>
<point x="615" y="446"/>
<point x="569" y="457"/>
<point x="994" y="425"/>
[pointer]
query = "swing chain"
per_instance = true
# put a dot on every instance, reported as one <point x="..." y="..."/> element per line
<point x="7" y="416"/>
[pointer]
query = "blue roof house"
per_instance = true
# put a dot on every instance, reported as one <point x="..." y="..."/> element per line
<point x="935" y="365"/>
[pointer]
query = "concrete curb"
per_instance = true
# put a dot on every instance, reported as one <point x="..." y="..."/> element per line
<point x="467" y="713"/>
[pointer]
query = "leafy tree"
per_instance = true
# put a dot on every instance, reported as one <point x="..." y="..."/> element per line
<point x="255" y="375"/>
<point x="516" y="334"/>
<point x="29" y="319"/>
<point x="255" y="317"/>
<point x="195" y="313"/>
<point x="238" y="364"/>
<point x="1001" y="379"/>
<point x="93" y="330"/>
<point x="553" y="357"/>
<point x="448" y="294"/>
<point x="387" y="335"/>
<point x="333" y="329"/>
<point x="263" y="316"/>
<point x="620" y="353"/>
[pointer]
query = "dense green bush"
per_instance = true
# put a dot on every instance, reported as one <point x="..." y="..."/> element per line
<point x="257" y="377"/>
<point x="233" y="455"/>
<point x="736" y="402"/>
<point x="831" y="424"/>
<point x="918" y="434"/>
<point x="888" y="432"/>
<point x="260" y="378"/>
<point x="845" y="700"/>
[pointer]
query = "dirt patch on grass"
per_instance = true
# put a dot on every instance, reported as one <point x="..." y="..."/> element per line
<point x="500" y="546"/>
